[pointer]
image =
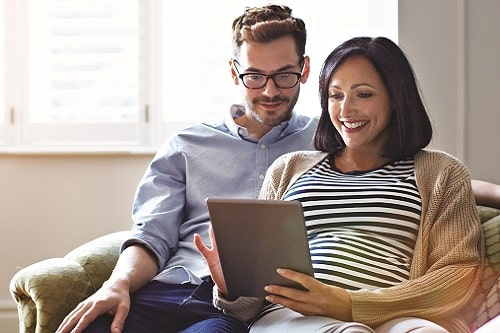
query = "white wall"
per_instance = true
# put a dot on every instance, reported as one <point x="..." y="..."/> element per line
<point x="454" y="46"/>
<point x="53" y="203"/>
<point x="483" y="98"/>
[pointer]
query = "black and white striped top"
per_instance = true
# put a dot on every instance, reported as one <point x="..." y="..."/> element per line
<point x="362" y="227"/>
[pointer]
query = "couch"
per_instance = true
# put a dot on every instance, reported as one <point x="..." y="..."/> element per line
<point x="47" y="290"/>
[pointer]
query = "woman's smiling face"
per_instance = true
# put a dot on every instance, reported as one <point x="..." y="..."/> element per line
<point x="359" y="105"/>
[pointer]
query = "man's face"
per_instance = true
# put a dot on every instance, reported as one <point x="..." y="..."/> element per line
<point x="269" y="105"/>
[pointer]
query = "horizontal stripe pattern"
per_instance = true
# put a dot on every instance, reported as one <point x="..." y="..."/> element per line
<point x="362" y="227"/>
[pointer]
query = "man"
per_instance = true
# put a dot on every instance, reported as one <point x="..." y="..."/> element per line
<point x="161" y="282"/>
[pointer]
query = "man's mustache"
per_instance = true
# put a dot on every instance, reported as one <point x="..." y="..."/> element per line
<point x="271" y="100"/>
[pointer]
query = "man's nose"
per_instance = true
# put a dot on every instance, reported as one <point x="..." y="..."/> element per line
<point x="270" y="89"/>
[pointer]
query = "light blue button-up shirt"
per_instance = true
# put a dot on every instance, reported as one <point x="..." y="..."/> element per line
<point x="205" y="160"/>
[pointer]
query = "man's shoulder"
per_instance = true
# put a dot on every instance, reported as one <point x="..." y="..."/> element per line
<point x="190" y="137"/>
<point x="306" y="121"/>
<point x="200" y="129"/>
<point x="307" y="118"/>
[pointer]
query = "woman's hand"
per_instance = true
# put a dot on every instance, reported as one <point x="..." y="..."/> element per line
<point x="319" y="299"/>
<point x="211" y="256"/>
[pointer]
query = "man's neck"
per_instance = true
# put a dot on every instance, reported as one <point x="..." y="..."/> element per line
<point x="255" y="128"/>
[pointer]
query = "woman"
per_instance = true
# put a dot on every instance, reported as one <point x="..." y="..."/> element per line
<point x="395" y="239"/>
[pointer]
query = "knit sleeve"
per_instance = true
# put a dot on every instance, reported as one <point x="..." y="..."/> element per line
<point x="243" y="308"/>
<point x="285" y="171"/>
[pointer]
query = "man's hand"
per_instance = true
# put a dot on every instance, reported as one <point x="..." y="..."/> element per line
<point x="112" y="298"/>
<point x="136" y="266"/>
<point x="211" y="256"/>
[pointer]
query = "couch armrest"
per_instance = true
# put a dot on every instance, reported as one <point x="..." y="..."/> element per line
<point x="48" y="290"/>
<point x="487" y="301"/>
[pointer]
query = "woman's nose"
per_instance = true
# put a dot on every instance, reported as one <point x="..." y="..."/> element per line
<point x="346" y="108"/>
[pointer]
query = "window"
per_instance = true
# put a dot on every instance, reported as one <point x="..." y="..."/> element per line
<point x="124" y="73"/>
<point x="76" y="68"/>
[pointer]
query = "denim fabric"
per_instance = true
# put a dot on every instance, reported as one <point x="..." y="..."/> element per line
<point x="169" y="308"/>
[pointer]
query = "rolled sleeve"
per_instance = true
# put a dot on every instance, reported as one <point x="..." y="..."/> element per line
<point x="159" y="203"/>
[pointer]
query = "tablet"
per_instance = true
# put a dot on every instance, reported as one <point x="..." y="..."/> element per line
<point x="255" y="237"/>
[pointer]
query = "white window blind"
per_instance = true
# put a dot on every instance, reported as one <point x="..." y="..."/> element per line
<point x="84" y="61"/>
<point x="84" y="70"/>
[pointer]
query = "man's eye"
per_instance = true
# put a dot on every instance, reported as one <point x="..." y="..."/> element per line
<point x="284" y="75"/>
<point x="254" y="77"/>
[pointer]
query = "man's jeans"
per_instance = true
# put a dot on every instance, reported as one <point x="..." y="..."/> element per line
<point x="168" y="308"/>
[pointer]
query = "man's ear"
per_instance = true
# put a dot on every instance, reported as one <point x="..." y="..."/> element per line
<point x="306" y="69"/>
<point x="234" y="74"/>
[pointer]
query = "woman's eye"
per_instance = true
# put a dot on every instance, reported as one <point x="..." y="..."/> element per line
<point x="365" y="95"/>
<point x="335" y="96"/>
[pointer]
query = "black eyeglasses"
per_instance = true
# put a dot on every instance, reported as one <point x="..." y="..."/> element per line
<point x="282" y="80"/>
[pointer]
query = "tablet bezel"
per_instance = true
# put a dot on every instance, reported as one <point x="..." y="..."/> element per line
<point x="255" y="237"/>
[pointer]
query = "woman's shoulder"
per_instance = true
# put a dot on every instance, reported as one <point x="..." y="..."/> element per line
<point x="436" y="156"/>
<point x="436" y="162"/>
<point x="301" y="157"/>
<point x="297" y="160"/>
<point x="304" y="154"/>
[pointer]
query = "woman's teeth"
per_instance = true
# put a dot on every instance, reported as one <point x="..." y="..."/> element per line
<point x="355" y="125"/>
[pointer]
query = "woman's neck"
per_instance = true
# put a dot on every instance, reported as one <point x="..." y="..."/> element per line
<point x="349" y="161"/>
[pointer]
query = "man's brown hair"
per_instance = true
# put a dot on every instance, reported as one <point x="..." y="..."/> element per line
<point x="266" y="24"/>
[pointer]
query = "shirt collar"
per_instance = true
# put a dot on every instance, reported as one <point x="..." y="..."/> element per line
<point x="283" y="129"/>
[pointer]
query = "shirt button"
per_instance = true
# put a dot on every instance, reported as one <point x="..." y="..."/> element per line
<point x="261" y="177"/>
<point x="263" y="146"/>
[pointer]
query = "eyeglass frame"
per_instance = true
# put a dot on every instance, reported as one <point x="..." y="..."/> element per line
<point x="267" y="76"/>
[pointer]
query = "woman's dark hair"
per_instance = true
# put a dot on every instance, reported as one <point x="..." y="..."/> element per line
<point x="410" y="128"/>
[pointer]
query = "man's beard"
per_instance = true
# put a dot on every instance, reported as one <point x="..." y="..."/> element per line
<point x="274" y="121"/>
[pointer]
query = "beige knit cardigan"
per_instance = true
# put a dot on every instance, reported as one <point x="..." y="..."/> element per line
<point x="447" y="264"/>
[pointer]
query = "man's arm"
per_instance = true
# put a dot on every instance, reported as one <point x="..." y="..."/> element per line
<point x="136" y="266"/>
<point x="486" y="193"/>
